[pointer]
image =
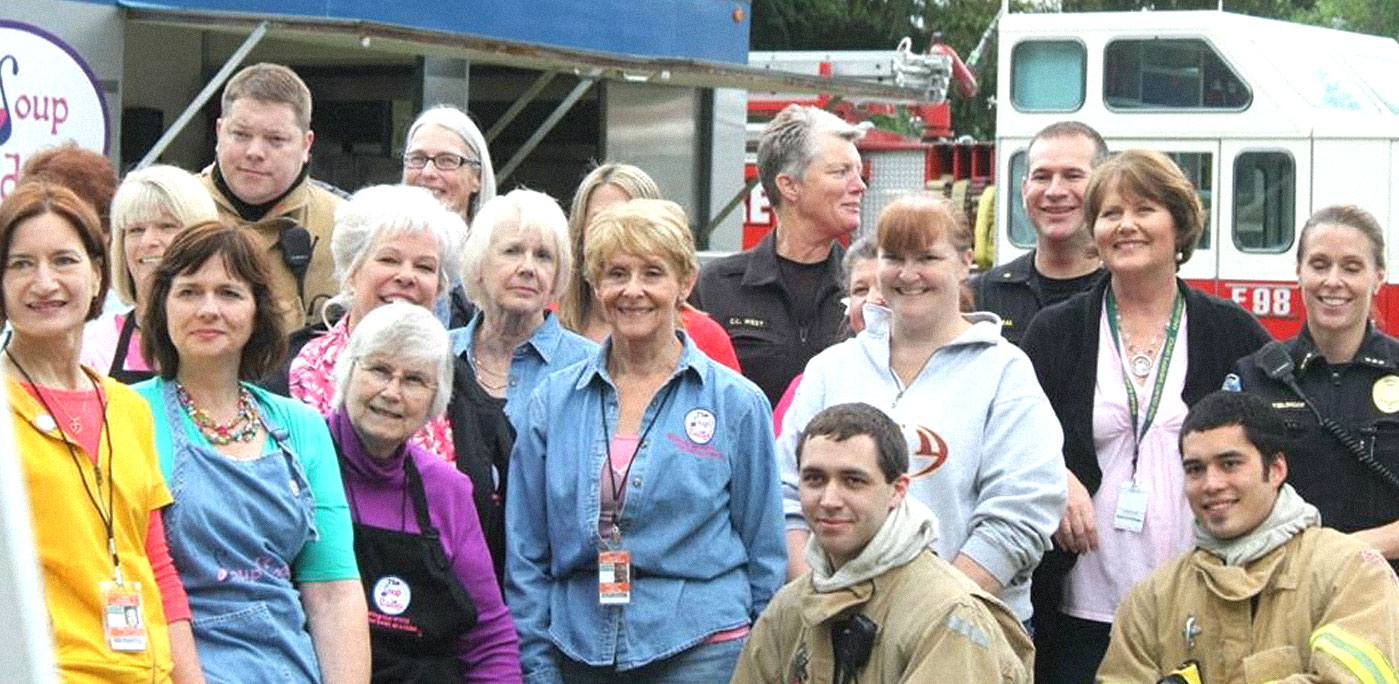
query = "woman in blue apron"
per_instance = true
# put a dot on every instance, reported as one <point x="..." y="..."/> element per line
<point x="435" y="610"/>
<point x="150" y="208"/>
<point x="259" y="530"/>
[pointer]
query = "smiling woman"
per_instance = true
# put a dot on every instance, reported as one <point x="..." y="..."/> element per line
<point x="227" y="448"/>
<point x="64" y="423"/>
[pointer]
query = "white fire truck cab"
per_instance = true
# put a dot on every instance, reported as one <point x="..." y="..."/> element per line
<point x="1271" y="120"/>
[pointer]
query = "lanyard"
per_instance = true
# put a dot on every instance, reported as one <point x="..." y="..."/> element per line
<point x="1133" y="403"/>
<point x="107" y="517"/>
<point x="607" y="455"/>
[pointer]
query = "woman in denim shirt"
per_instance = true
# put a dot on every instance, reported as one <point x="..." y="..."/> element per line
<point x="644" y="506"/>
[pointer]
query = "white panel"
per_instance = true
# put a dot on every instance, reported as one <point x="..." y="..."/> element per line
<point x="893" y="173"/>
<point x="654" y="127"/>
<point x="726" y="167"/>
<point x="1351" y="172"/>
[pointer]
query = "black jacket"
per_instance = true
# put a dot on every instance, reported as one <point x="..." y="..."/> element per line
<point x="744" y="293"/>
<point x="1062" y="342"/>
<point x="1362" y="396"/>
<point x="482" y="438"/>
<point x="1013" y="292"/>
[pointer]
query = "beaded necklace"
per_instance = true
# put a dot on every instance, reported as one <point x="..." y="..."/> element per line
<point x="242" y="428"/>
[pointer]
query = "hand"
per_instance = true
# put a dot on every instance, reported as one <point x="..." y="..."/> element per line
<point x="1078" y="529"/>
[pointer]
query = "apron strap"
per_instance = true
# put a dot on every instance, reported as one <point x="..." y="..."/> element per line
<point x="128" y="326"/>
<point x="414" y="481"/>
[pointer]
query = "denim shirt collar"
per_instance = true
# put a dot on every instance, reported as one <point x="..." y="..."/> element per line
<point x="543" y="342"/>
<point x="691" y="360"/>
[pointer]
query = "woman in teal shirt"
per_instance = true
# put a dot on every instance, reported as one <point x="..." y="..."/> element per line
<point x="259" y="530"/>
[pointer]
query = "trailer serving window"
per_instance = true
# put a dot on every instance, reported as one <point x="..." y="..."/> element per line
<point x="1183" y="73"/>
<point x="1048" y="75"/>
<point x="1264" y="201"/>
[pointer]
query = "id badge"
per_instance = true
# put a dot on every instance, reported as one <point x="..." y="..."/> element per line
<point x="1131" y="507"/>
<point x="122" y="619"/>
<point x="614" y="577"/>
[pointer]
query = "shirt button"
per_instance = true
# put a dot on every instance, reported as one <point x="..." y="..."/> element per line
<point x="636" y="483"/>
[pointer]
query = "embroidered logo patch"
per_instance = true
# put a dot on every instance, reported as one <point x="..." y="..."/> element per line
<point x="699" y="426"/>
<point x="392" y="595"/>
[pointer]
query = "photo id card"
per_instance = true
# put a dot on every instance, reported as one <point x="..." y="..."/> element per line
<point x="1131" y="508"/>
<point x="122" y="619"/>
<point x="614" y="577"/>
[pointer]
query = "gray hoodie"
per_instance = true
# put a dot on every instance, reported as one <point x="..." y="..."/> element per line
<point x="986" y="450"/>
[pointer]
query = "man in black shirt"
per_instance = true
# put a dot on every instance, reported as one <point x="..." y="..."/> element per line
<point x="780" y="301"/>
<point x="1059" y="160"/>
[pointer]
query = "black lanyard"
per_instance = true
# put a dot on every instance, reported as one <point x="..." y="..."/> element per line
<point x="1134" y="404"/>
<point x="607" y="453"/>
<point x="107" y="517"/>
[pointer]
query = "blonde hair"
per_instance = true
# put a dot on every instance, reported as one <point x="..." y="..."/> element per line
<point x="577" y="300"/>
<point x="643" y="228"/>
<point x="525" y="209"/>
<point x="143" y="196"/>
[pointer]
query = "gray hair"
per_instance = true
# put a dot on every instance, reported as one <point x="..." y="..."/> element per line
<point x="142" y="196"/>
<point x="527" y="209"/>
<point x="401" y="331"/>
<point x="860" y="250"/>
<point x="383" y="211"/>
<point x="789" y="143"/>
<point x="458" y="122"/>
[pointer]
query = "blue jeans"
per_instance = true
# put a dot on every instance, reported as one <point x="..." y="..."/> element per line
<point x="702" y="664"/>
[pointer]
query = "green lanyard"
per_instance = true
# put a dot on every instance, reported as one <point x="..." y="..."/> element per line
<point x="1134" y="404"/>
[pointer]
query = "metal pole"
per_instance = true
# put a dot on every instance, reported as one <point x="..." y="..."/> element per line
<point x="212" y="87"/>
<point x="548" y="125"/>
<point x="519" y="105"/>
<point x="703" y="237"/>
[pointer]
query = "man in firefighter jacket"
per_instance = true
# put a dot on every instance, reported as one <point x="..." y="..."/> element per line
<point x="1267" y="595"/>
<point x="878" y="607"/>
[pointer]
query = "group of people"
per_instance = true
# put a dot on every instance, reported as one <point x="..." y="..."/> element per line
<point x="430" y="433"/>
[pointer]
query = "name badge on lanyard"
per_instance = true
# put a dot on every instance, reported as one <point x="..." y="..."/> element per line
<point x="614" y="577"/>
<point x="122" y="618"/>
<point x="1131" y="507"/>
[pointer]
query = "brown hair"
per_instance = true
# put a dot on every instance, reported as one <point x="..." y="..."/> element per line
<point x="188" y="253"/>
<point x="1346" y="215"/>
<point x="916" y="220"/>
<point x="88" y="174"/>
<point x="39" y="197"/>
<point x="270" y="83"/>
<point x="1150" y="175"/>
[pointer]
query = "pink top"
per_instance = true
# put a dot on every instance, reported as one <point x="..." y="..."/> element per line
<point x="100" y="339"/>
<point x="1101" y="579"/>
<point x="312" y="380"/>
<point x="619" y="457"/>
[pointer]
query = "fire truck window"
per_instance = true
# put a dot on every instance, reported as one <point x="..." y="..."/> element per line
<point x="1378" y="73"/>
<point x="1170" y="74"/>
<point x="1264" y="201"/>
<point x="1022" y="234"/>
<point x="1048" y="75"/>
<point x="1199" y="168"/>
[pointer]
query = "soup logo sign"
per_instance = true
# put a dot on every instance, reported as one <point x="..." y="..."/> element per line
<point x="48" y="96"/>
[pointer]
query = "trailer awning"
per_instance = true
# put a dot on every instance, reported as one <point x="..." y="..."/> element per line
<point x="405" y="40"/>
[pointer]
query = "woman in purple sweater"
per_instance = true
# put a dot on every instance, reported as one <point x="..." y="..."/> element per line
<point x="435" y="610"/>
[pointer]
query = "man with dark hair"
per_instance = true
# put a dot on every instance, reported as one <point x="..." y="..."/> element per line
<point x="878" y="606"/>
<point x="1267" y="594"/>
<point x="1064" y="263"/>
<point x="261" y="180"/>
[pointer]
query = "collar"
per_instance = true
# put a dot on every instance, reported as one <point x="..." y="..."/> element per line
<point x="358" y="462"/>
<point x="1015" y="271"/>
<point x="985" y="329"/>
<point x="254" y="212"/>
<point x="692" y="360"/>
<point x="544" y="341"/>
<point x="763" y="268"/>
<point x="1373" y="351"/>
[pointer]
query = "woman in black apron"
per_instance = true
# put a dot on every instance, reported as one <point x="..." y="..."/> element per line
<point x="150" y="208"/>
<point x="435" y="611"/>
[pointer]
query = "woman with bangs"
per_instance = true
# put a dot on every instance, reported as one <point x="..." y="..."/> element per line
<point x="644" y="499"/>
<point x="150" y="208"/>
<point x="984" y="440"/>
<point x="1122" y="363"/>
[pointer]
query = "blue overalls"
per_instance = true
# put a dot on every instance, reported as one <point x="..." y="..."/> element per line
<point x="234" y="531"/>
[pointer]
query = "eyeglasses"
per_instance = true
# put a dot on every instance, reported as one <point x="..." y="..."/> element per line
<point x="409" y="382"/>
<point x="445" y="161"/>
